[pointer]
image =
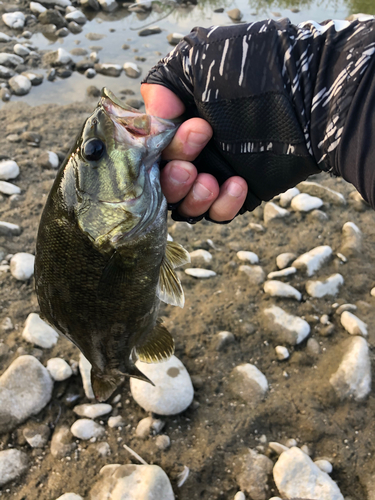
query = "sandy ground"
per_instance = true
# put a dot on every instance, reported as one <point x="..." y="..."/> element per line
<point x="219" y="426"/>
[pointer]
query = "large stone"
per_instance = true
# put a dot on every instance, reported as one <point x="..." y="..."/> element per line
<point x="13" y="463"/>
<point x="248" y="382"/>
<point x="6" y="73"/>
<point x="132" y="482"/>
<point x="303" y="202"/>
<point x="20" y="85"/>
<point x="10" y="60"/>
<point x="15" y="20"/>
<point x="58" y="57"/>
<point x="86" y="428"/>
<point x="52" y="16"/>
<point x="108" y="69"/>
<point x="253" y="477"/>
<point x="38" y="332"/>
<point x="296" y="476"/>
<point x="316" y="189"/>
<point x="313" y="260"/>
<point x="279" y="289"/>
<point x="353" y="324"/>
<point x="286" y="327"/>
<point x="331" y="286"/>
<point x="25" y="389"/>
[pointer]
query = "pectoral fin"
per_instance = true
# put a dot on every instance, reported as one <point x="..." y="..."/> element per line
<point x="169" y="287"/>
<point x="159" y="346"/>
<point x="176" y="254"/>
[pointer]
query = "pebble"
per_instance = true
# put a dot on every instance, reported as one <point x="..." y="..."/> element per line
<point x="273" y="211"/>
<point x="10" y="60"/>
<point x="313" y="260"/>
<point x="351" y="240"/>
<point x="279" y="289"/>
<point x="281" y="352"/>
<point x="37" y="332"/>
<point x="15" y="20"/>
<point x="62" y="443"/>
<point x="197" y="272"/>
<point x="37" y="8"/>
<point x="116" y="421"/>
<point x="316" y="189"/>
<point x="4" y="38"/>
<point x="255" y="273"/>
<point x="25" y="389"/>
<point x="132" y="70"/>
<point x="35" y="78"/>
<point x="9" y="229"/>
<point x="86" y="429"/>
<point x="248" y="382"/>
<point x="148" y="425"/>
<point x="59" y="369"/>
<point x="9" y="170"/>
<point x="22" y="266"/>
<point x="108" y="69"/>
<point x="151" y="30"/>
<point x="353" y="377"/>
<point x="296" y="476"/>
<point x="201" y="254"/>
<point x="284" y="259"/>
<point x="287" y="271"/>
<point x="77" y="16"/>
<point x="248" y="256"/>
<point x="92" y="410"/>
<point x="287" y="197"/>
<point x="133" y="482"/>
<point x="20" y="85"/>
<point x="74" y="27"/>
<point x="90" y="73"/>
<point x="48" y="159"/>
<point x="85" y="370"/>
<point x="324" y="465"/>
<point x="79" y="51"/>
<point x="223" y="339"/>
<point x="330" y="286"/>
<point x="353" y="324"/>
<point x="37" y="435"/>
<point x="173" y="391"/>
<point x="239" y="496"/>
<point x="235" y="14"/>
<point x="108" y="5"/>
<point x="277" y="447"/>
<point x="312" y="347"/>
<point x="5" y="94"/>
<point x="175" y="38"/>
<point x="289" y="328"/>
<point x="62" y="32"/>
<point x="51" y="75"/>
<point x="303" y="202"/>
<point x="6" y="73"/>
<point x="21" y="50"/>
<point x="70" y="496"/>
<point x="13" y="463"/>
<point x="163" y="442"/>
<point x="253" y="478"/>
<point x="345" y="307"/>
<point x="59" y="57"/>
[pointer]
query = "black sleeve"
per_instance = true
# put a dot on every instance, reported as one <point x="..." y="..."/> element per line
<point x="284" y="101"/>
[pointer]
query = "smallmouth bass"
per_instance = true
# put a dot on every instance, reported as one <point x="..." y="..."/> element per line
<point x="102" y="261"/>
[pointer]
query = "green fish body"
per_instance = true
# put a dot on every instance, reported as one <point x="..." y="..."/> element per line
<point x="103" y="262"/>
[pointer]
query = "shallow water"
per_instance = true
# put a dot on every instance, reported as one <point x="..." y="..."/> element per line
<point x="122" y="27"/>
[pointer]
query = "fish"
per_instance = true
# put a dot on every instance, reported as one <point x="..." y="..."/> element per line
<point x="102" y="261"/>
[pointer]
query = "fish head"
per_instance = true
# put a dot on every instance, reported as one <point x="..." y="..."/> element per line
<point x="116" y="171"/>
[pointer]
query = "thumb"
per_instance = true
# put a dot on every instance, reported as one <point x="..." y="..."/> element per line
<point x="161" y="102"/>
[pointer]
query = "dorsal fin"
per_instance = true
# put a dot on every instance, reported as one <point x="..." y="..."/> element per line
<point x="158" y="346"/>
<point x="169" y="288"/>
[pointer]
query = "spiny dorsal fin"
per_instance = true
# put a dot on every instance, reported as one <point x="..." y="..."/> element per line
<point x="176" y="254"/>
<point x="159" y="345"/>
<point x="169" y="288"/>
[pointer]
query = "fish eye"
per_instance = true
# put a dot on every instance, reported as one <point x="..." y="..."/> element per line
<point x="93" y="149"/>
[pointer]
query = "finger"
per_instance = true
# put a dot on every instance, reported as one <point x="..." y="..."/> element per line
<point x="203" y="193"/>
<point x="176" y="179"/>
<point x="230" y="200"/>
<point x="161" y="102"/>
<point x="190" y="139"/>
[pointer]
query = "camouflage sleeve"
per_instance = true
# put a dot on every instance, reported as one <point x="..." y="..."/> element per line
<point x="280" y="99"/>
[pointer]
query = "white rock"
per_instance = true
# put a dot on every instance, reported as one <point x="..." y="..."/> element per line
<point x="148" y="425"/>
<point x="287" y="271"/>
<point x="273" y="211"/>
<point x="351" y="240"/>
<point x="291" y="442"/>
<point x="25" y="389"/>
<point x="60" y="3"/>
<point x="277" y="447"/>
<point x="92" y="410"/>
<point x="86" y="429"/>
<point x="287" y="197"/>
<point x="37" y="8"/>
<point x="109" y="69"/>
<point x="303" y="202"/>
<point x="70" y="496"/>
<point x="9" y="188"/>
<point x="22" y="266"/>
<point x="258" y="228"/>
<point x="292" y="328"/>
<point x="21" y="50"/>
<point x="315" y="189"/>
<point x="324" y="465"/>
<point x="10" y="60"/>
<point x="222" y="339"/>
<point x="281" y="352"/>
<point x="201" y="254"/>
<point x="13" y="463"/>
<point x="279" y="289"/>
<point x="49" y="159"/>
<point x="248" y="256"/>
<point x="37" y="332"/>
<point x="173" y="391"/>
<point x="15" y="20"/>
<point x="4" y="38"/>
<point x="284" y="259"/>
<point x="85" y="370"/>
<point x="239" y="496"/>
<point x="116" y="421"/>
<point x="59" y="369"/>
<point x="76" y="16"/>
<point x="163" y="442"/>
<point x="353" y="377"/>
<point x="353" y="324"/>
<point x="20" y="85"/>
<point x="8" y="229"/>
<point x="61" y="57"/>
<point x="296" y="476"/>
<point x="108" y="5"/>
<point x="372" y="292"/>
<point x="330" y="286"/>
<point x="197" y="272"/>
<point x="132" y="70"/>
<point x="249" y="382"/>
<point x="132" y="482"/>
<point x="313" y="260"/>
<point x="255" y="273"/>
<point x="9" y="170"/>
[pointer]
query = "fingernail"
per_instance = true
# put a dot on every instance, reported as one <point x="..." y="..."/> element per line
<point x="197" y="140"/>
<point x="201" y="192"/>
<point x="235" y="190"/>
<point x="179" y="175"/>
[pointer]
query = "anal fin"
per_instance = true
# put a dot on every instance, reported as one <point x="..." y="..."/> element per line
<point x="159" y="345"/>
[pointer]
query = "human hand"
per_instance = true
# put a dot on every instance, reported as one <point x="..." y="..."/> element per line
<point x="179" y="178"/>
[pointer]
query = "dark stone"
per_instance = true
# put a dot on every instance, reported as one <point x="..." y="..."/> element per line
<point x="51" y="16"/>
